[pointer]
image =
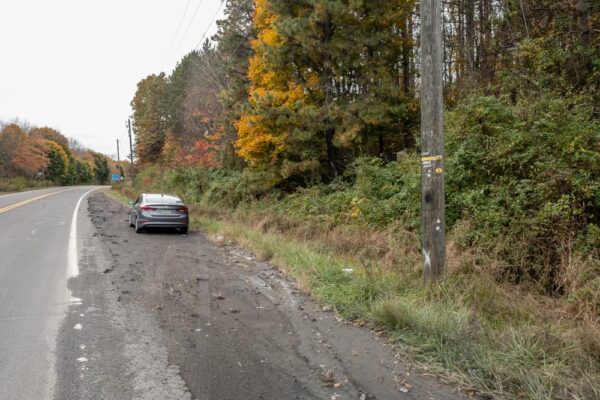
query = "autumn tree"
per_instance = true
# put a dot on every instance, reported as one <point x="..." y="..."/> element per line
<point x="51" y="134"/>
<point x="327" y="79"/>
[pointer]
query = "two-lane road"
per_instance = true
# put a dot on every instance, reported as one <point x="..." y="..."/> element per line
<point x="35" y="241"/>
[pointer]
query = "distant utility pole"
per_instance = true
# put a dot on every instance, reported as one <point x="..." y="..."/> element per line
<point x="118" y="154"/>
<point x="131" y="151"/>
<point x="433" y="200"/>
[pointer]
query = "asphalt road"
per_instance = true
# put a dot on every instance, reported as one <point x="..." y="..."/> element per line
<point x="35" y="228"/>
<point x="91" y="310"/>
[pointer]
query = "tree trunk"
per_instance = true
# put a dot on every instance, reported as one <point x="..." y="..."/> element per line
<point x="470" y="36"/>
<point x="583" y="9"/>
<point x="332" y="150"/>
<point x="406" y="48"/>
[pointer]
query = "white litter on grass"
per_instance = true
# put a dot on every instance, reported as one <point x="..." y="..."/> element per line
<point x="348" y="270"/>
<point x="78" y="327"/>
<point x="82" y="359"/>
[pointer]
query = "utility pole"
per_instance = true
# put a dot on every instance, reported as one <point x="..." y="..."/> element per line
<point x="433" y="199"/>
<point x="118" y="154"/>
<point x="131" y="151"/>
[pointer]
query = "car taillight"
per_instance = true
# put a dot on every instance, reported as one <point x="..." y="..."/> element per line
<point x="182" y="209"/>
<point x="146" y="208"/>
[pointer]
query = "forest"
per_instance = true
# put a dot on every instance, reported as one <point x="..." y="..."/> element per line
<point x="41" y="156"/>
<point x="295" y="129"/>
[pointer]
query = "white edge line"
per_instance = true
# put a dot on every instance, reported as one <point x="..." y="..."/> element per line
<point x="73" y="256"/>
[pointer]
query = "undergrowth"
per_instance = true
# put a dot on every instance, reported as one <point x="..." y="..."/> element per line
<point x="19" y="184"/>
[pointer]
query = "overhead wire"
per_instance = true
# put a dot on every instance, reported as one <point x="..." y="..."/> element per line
<point x="187" y="6"/>
<point x="192" y="19"/>
<point x="210" y="24"/>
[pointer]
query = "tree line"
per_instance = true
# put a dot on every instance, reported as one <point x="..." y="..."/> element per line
<point x="44" y="154"/>
<point x="305" y="87"/>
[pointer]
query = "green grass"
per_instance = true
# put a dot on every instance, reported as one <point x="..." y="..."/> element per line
<point x="12" y="185"/>
<point x="469" y="329"/>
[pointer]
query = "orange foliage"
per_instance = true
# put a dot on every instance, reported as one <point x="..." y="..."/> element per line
<point x="30" y="157"/>
<point x="201" y="154"/>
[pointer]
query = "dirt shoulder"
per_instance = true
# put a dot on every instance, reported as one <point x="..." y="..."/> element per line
<point x="237" y="328"/>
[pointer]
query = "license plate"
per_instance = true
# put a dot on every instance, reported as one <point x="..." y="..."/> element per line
<point x="164" y="212"/>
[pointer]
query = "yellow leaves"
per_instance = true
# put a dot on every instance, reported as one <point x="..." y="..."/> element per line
<point x="263" y="18"/>
<point x="262" y="133"/>
<point x="270" y="37"/>
<point x="256" y="143"/>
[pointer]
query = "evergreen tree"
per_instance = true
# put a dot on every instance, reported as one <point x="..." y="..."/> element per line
<point x="149" y="118"/>
<point x="57" y="163"/>
<point x="234" y="49"/>
<point x="101" y="168"/>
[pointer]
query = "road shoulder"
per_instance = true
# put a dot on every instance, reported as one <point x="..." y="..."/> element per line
<point x="236" y="325"/>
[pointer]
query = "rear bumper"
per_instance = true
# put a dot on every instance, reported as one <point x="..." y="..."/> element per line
<point x="146" y="222"/>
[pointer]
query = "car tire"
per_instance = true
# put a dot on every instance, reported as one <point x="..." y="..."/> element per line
<point x="138" y="229"/>
<point x="183" y="230"/>
<point x="131" y="225"/>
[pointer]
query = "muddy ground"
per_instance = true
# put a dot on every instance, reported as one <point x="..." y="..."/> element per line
<point x="231" y="327"/>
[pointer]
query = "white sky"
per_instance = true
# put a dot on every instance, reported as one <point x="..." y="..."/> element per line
<point x="74" y="64"/>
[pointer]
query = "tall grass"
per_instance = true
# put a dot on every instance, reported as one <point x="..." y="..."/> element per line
<point x="471" y="329"/>
<point x="19" y="184"/>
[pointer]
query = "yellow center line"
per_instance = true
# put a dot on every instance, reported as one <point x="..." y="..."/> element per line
<point x="22" y="203"/>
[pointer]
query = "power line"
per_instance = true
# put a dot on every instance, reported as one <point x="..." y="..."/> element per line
<point x="187" y="6"/>
<point x="210" y="25"/>
<point x="189" y="24"/>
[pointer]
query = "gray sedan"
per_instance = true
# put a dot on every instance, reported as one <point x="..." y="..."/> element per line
<point x="158" y="211"/>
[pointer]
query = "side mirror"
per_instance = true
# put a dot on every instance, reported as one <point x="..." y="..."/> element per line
<point x="130" y="203"/>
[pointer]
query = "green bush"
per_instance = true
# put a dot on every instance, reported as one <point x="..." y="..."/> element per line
<point x="8" y="185"/>
<point x="527" y="177"/>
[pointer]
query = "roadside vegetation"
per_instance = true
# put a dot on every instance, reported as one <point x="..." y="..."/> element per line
<point x="295" y="132"/>
<point x="10" y="185"/>
<point x="32" y="157"/>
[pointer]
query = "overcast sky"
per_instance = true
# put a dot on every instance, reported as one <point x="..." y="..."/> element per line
<point x="74" y="64"/>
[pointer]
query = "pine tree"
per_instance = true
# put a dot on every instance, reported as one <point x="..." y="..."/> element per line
<point x="149" y="118"/>
<point x="234" y="36"/>
<point x="58" y="163"/>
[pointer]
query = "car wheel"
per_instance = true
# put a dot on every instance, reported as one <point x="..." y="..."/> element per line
<point x="131" y="225"/>
<point x="138" y="228"/>
<point x="183" y="230"/>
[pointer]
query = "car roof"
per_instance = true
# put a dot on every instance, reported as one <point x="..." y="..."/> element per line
<point x="156" y="198"/>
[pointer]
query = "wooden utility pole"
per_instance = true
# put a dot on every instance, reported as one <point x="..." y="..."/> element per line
<point x="131" y="151"/>
<point x="433" y="200"/>
<point x="118" y="154"/>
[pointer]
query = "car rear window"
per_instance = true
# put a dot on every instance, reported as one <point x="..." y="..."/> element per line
<point x="162" y="199"/>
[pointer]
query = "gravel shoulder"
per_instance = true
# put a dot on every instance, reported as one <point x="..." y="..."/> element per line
<point x="181" y="316"/>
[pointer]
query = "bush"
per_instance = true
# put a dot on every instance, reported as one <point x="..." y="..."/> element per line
<point x="528" y="179"/>
<point x="8" y="185"/>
